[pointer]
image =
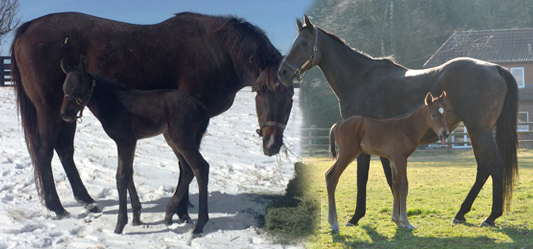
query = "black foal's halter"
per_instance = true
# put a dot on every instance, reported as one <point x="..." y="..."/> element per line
<point x="298" y="72"/>
<point x="79" y="101"/>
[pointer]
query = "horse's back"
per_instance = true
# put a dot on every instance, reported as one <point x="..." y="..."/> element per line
<point x="475" y="89"/>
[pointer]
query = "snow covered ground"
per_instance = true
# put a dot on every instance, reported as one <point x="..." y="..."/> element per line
<point x="239" y="173"/>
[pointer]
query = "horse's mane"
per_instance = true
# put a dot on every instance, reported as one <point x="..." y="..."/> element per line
<point x="389" y="58"/>
<point x="249" y="44"/>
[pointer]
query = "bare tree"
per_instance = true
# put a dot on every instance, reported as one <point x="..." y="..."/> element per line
<point x="8" y="16"/>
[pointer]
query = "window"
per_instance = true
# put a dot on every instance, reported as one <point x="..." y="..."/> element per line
<point x="523" y="117"/>
<point x="518" y="73"/>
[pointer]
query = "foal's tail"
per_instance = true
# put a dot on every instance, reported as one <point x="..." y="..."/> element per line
<point x="332" y="151"/>
<point x="507" y="138"/>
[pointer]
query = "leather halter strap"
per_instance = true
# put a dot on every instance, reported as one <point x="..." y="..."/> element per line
<point x="298" y="71"/>
<point x="79" y="100"/>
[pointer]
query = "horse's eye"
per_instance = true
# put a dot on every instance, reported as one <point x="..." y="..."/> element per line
<point x="304" y="43"/>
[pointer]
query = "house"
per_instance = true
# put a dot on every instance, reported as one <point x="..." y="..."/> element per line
<point x="510" y="48"/>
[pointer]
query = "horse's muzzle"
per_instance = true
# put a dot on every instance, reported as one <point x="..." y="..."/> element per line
<point x="443" y="136"/>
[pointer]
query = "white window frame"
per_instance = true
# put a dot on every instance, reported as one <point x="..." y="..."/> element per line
<point x="523" y="127"/>
<point x="520" y="80"/>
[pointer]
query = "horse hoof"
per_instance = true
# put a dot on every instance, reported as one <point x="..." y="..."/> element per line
<point x="186" y="220"/>
<point x="197" y="234"/>
<point x="93" y="208"/>
<point x="486" y="224"/>
<point x="167" y="222"/>
<point x="136" y="222"/>
<point x="60" y="216"/>
<point x="349" y="224"/>
<point x="456" y="221"/>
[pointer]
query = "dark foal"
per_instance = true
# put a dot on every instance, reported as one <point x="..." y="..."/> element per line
<point x="130" y="115"/>
<point x="395" y="139"/>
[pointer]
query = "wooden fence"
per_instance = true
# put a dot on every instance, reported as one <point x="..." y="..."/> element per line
<point x="316" y="140"/>
<point x="5" y="72"/>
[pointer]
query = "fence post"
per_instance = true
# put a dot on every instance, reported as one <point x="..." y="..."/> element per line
<point x="2" y="72"/>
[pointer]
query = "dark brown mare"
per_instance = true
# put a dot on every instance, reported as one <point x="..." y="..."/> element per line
<point x="395" y="139"/>
<point x="129" y="115"/>
<point x="482" y="95"/>
<point x="210" y="58"/>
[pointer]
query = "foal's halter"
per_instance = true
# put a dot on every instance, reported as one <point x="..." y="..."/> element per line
<point x="79" y="101"/>
<point x="298" y="72"/>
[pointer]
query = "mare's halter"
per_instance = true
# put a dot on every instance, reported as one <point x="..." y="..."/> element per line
<point x="298" y="71"/>
<point x="79" y="101"/>
<point x="269" y="123"/>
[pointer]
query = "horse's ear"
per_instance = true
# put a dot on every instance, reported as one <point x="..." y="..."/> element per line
<point x="442" y="97"/>
<point x="83" y="63"/>
<point x="299" y="24"/>
<point x="64" y="67"/>
<point x="307" y="21"/>
<point x="429" y="99"/>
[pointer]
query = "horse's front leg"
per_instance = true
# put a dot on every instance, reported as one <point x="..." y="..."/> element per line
<point x="363" y="166"/>
<point x="126" y="151"/>
<point x="332" y="179"/>
<point x="396" y="195"/>
<point x="400" y="193"/>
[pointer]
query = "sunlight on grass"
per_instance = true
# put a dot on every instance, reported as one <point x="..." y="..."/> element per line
<point x="438" y="183"/>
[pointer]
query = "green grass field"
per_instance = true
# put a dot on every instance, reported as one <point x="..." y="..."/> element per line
<point x="438" y="183"/>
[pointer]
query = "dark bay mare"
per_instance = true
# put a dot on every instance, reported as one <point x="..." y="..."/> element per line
<point x="129" y="115"/>
<point x="395" y="139"/>
<point x="209" y="57"/>
<point x="481" y="94"/>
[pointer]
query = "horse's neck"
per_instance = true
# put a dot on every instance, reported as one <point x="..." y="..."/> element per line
<point x="341" y="65"/>
<point x="417" y="122"/>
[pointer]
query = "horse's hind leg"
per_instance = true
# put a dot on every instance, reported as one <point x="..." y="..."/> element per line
<point x="41" y="148"/>
<point x="64" y="148"/>
<point x="489" y="163"/>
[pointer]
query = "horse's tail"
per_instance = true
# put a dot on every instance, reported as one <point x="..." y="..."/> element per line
<point x="26" y="109"/>
<point x="332" y="150"/>
<point x="507" y="138"/>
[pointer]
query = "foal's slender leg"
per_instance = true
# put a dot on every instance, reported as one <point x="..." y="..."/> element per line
<point x="363" y="166"/>
<point x="135" y="202"/>
<point x="332" y="179"/>
<point x="179" y="204"/>
<point x="489" y="162"/>
<point x="401" y="189"/>
<point x="183" y="207"/>
<point x="65" y="150"/>
<point x="126" y="151"/>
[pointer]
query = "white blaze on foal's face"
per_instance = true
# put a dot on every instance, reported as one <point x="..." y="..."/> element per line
<point x="441" y="110"/>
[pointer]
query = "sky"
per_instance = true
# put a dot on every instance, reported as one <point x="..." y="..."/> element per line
<point x="276" y="17"/>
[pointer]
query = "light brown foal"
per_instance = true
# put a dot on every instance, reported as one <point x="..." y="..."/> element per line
<point x="394" y="138"/>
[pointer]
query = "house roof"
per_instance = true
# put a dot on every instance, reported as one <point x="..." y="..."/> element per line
<point x="498" y="46"/>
